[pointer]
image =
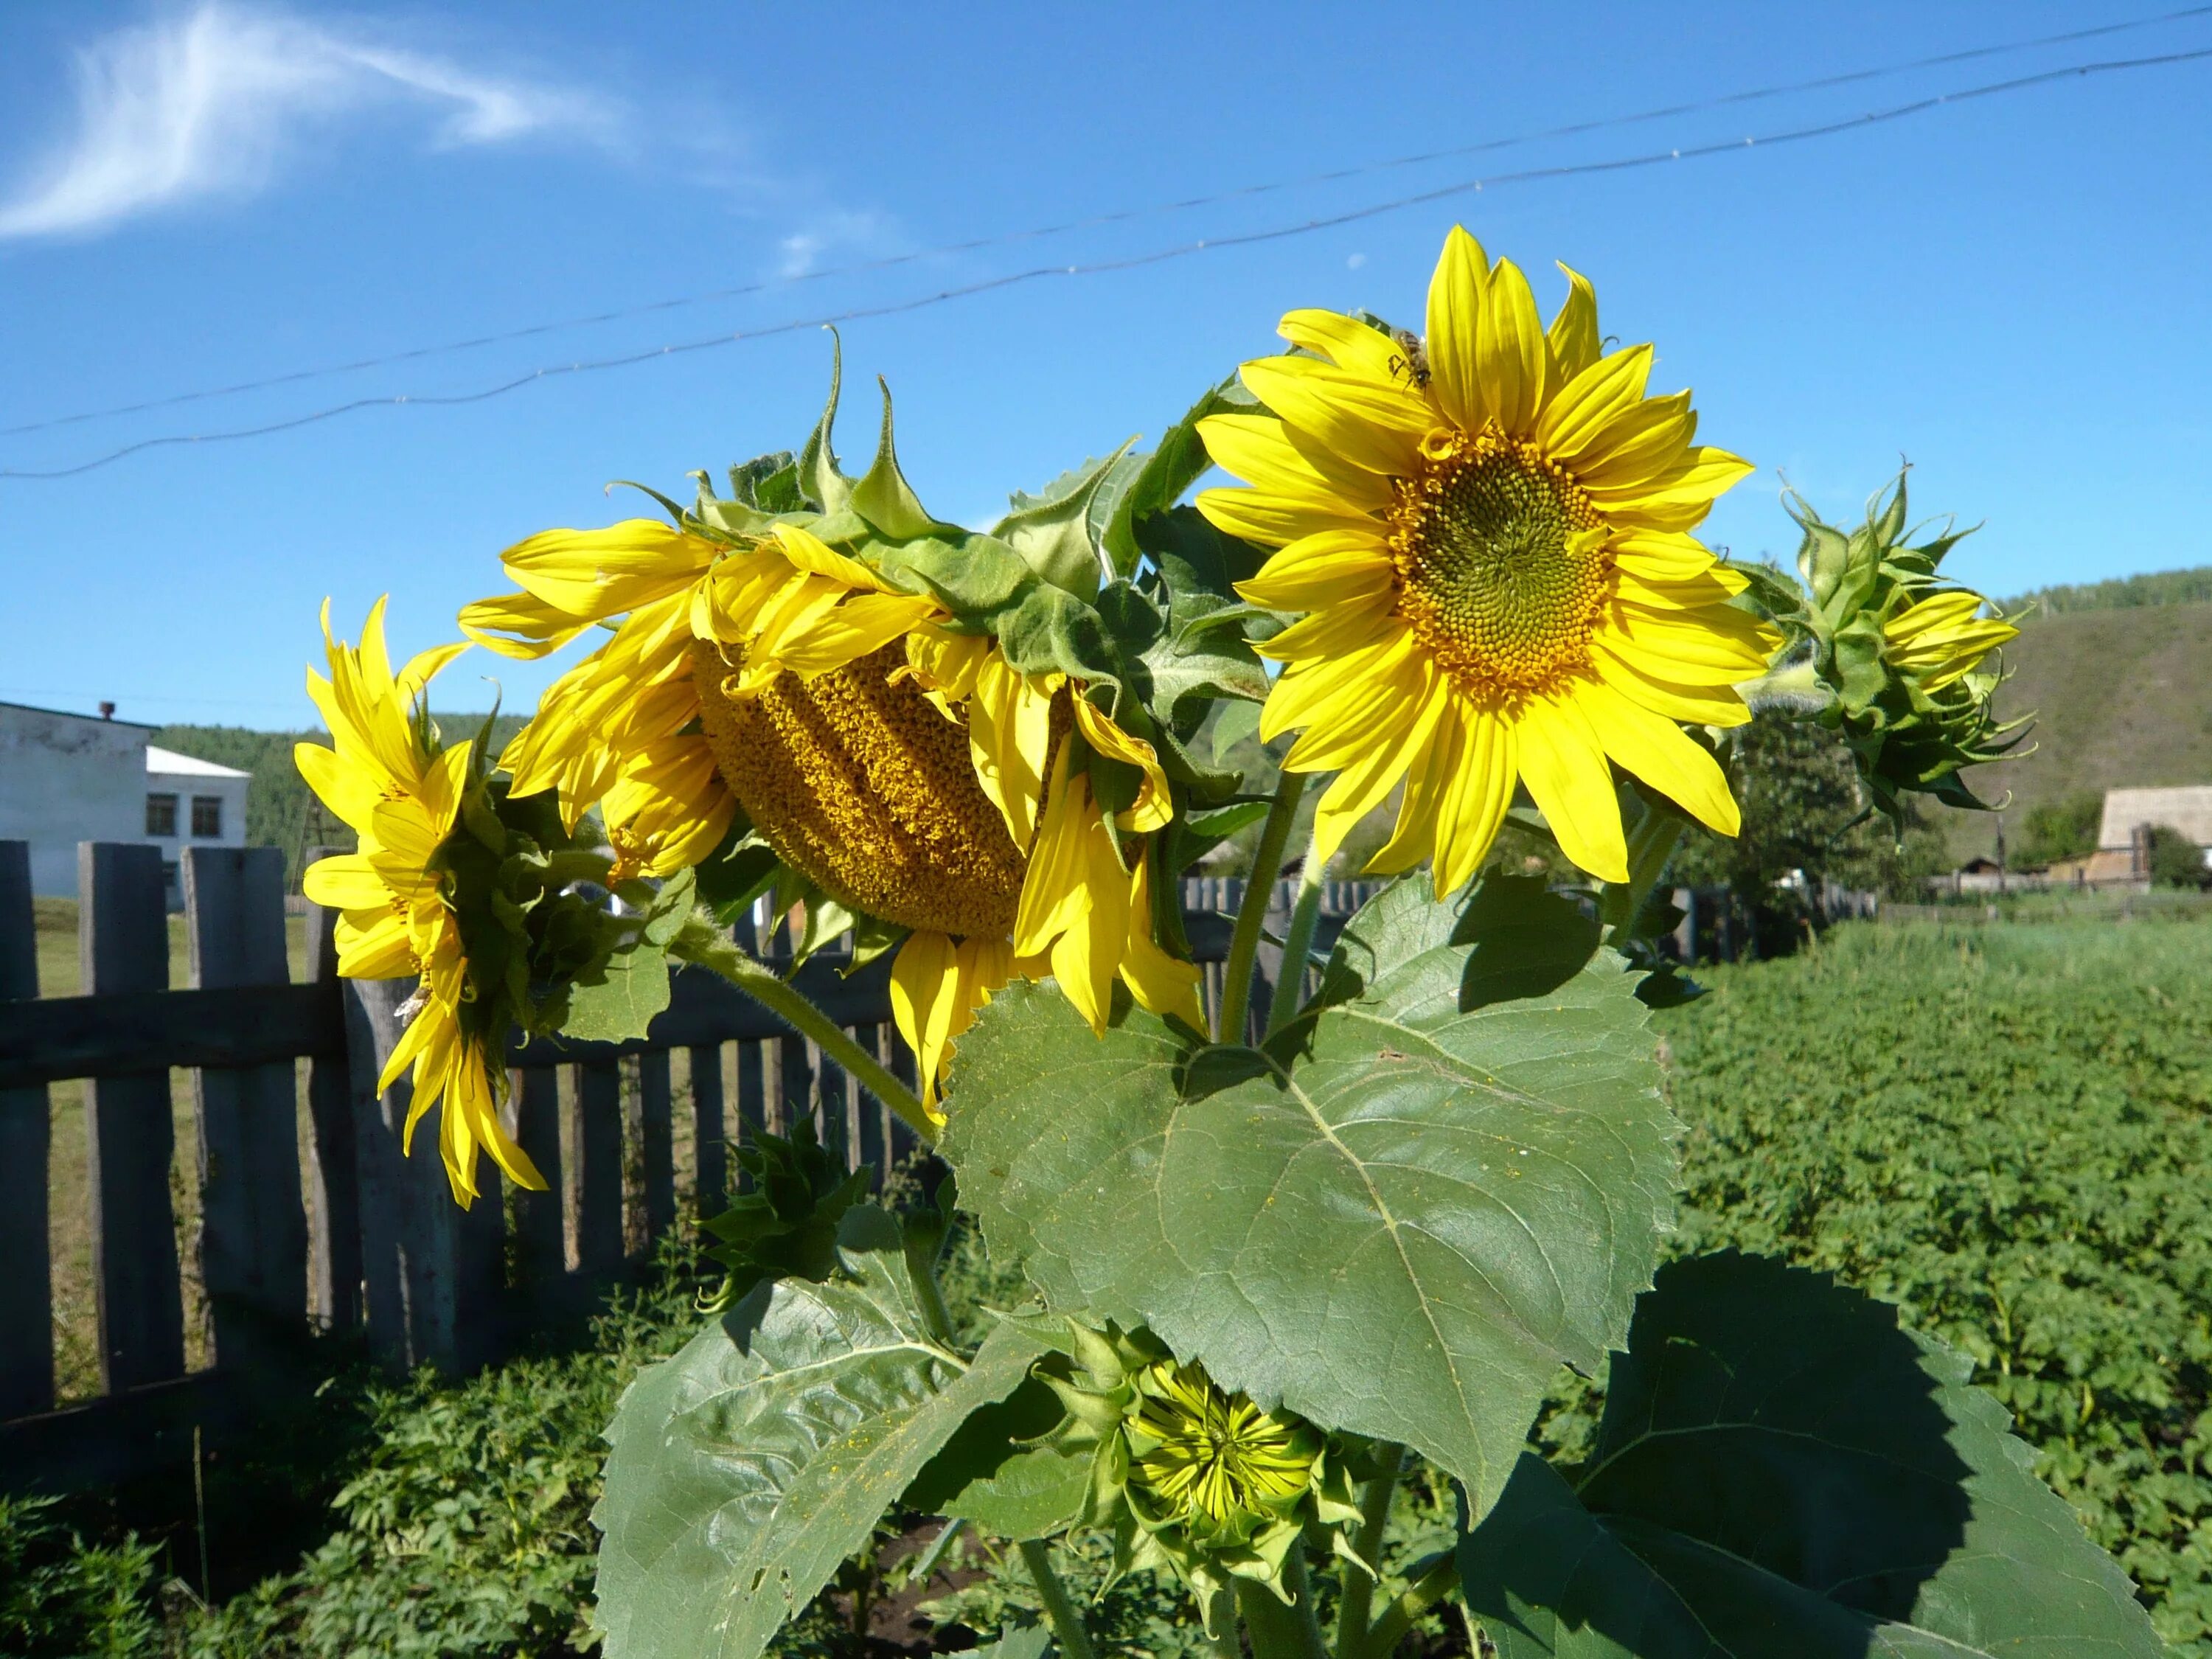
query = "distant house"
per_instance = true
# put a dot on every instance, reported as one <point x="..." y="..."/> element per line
<point x="66" y="778"/>
<point x="2124" y="838"/>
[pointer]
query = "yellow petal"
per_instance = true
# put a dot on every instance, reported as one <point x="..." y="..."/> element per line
<point x="1354" y="792"/>
<point x="1271" y="520"/>
<point x="1564" y="767"/>
<point x="1157" y="981"/>
<point x="1573" y="334"/>
<point x="520" y="625"/>
<point x="1659" y="556"/>
<point x="1582" y="406"/>
<point x="1680" y="498"/>
<point x="1260" y="450"/>
<point x="924" y="990"/>
<point x="1348" y="342"/>
<point x="1481" y="788"/>
<point x="1716" y="644"/>
<point x="1153" y="808"/>
<point x="1326" y="633"/>
<point x="347" y="882"/>
<point x="598" y="573"/>
<point x="1379" y="428"/>
<point x="1333" y="568"/>
<point x="1694" y="704"/>
<point x="1511" y="359"/>
<point x="1455" y="325"/>
<point x="1658" y="751"/>
<point x="1638" y="445"/>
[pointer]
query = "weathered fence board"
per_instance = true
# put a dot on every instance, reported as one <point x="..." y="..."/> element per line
<point x="541" y="1237"/>
<point x="123" y="946"/>
<point x="27" y="1364"/>
<point x="710" y="1155"/>
<point x="598" y="1169"/>
<point x="333" y="1193"/>
<point x="253" y="1228"/>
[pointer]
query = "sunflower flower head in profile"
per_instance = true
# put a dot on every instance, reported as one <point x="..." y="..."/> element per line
<point x="1488" y="529"/>
<point x="388" y="776"/>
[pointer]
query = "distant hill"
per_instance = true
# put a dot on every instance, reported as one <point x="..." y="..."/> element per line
<point x="2158" y="587"/>
<point x="277" y="801"/>
<point x="2118" y="675"/>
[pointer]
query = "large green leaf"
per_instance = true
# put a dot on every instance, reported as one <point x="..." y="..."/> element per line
<point x="1400" y="1223"/>
<point x="1783" y="1473"/>
<point x="991" y="1474"/>
<point x="1056" y="530"/>
<point x="1178" y="463"/>
<point x="745" y="1468"/>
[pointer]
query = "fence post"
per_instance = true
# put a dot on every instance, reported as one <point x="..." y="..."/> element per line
<point x="599" y="1167"/>
<point x="333" y="1197"/>
<point x="26" y="1297"/>
<point x="431" y="1270"/>
<point x="253" y="1230"/>
<point x="657" y="1148"/>
<point x="710" y="1168"/>
<point x="538" y="1222"/>
<point x="123" y="944"/>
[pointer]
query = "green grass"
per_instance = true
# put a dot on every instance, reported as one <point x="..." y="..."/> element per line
<point x="2004" y="1129"/>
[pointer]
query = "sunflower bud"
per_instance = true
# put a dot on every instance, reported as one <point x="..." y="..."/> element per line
<point x="1889" y="656"/>
<point x="1191" y="1477"/>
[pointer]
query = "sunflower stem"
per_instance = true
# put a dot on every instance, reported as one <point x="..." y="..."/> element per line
<point x="1244" y="942"/>
<point x="1410" y="1603"/>
<point x="1358" y="1599"/>
<point x="704" y="941"/>
<point x="1277" y="1630"/>
<point x="1650" y="844"/>
<point x="1297" y="943"/>
<point x="1060" y="1608"/>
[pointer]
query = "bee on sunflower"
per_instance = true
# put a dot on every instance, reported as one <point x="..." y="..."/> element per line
<point x="389" y="777"/>
<point x="1488" y="533"/>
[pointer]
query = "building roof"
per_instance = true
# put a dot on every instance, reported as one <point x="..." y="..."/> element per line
<point x="168" y="760"/>
<point x="71" y="714"/>
<point x="2188" y="809"/>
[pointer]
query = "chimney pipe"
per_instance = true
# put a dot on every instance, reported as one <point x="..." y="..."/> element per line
<point x="107" y="711"/>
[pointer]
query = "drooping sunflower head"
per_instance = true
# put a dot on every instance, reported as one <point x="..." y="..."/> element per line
<point x="1487" y="530"/>
<point x="388" y="775"/>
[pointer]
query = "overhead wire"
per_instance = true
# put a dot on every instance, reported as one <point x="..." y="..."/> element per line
<point x="1124" y="215"/>
<point x="1157" y="256"/>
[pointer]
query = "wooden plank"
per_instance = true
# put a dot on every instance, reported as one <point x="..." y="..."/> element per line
<point x="539" y="1232"/>
<point x="710" y="1162"/>
<point x="253" y="1229"/>
<point x="430" y="1271"/>
<point x="598" y="1168"/>
<point x="124" y="1437"/>
<point x="333" y="1196"/>
<point x="27" y="1298"/>
<point x="123" y="946"/>
<point x="126" y="1033"/>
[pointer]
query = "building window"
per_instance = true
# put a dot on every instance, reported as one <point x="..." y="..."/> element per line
<point x="207" y="815"/>
<point x="161" y="815"/>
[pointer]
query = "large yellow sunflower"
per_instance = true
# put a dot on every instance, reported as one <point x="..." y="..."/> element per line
<point x="385" y="775"/>
<point x="1489" y="532"/>
<point x="901" y="768"/>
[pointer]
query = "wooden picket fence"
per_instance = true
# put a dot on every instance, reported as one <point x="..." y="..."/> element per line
<point x="311" y="1221"/>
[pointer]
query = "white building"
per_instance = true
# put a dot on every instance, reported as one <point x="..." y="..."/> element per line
<point x="68" y="778"/>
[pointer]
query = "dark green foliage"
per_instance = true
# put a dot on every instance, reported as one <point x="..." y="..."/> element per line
<point x="62" y="1598"/>
<point x="2005" y="1133"/>
<point x="2175" y="860"/>
<point x="2063" y="829"/>
<point x="2155" y="587"/>
<point x="1803" y="810"/>
<point x="1783" y="1473"/>
<point x="786" y="1222"/>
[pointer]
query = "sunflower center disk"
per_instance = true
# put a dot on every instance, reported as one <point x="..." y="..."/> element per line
<point x="864" y="788"/>
<point x="1495" y="571"/>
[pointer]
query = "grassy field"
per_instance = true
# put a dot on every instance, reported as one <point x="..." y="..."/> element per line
<point x="2004" y="1128"/>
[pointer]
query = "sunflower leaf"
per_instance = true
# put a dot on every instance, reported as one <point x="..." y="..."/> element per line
<point x="1783" y="1473"/>
<point x="883" y="496"/>
<point x="1055" y="532"/>
<point x="1400" y="1223"/>
<point x="744" y="1470"/>
<point x="1179" y="462"/>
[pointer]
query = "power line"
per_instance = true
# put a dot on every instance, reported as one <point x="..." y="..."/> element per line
<point x="1159" y="256"/>
<point x="1121" y="216"/>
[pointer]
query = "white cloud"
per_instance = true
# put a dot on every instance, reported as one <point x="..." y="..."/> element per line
<point x="799" y="252"/>
<point x="214" y="101"/>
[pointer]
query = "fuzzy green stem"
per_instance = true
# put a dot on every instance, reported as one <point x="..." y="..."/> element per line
<point x="1244" y="943"/>
<point x="1358" y="1588"/>
<point x="1650" y="844"/>
<point x="704" y="941"/>
<point x="1221" y="1626"/>
<point x="1298" y="942"/>
<point x="1060" y="1608"/>
<point x="1416" y="1599"/>
<point x="1278" y="1631"/>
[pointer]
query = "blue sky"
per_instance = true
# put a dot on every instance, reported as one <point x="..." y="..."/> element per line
<point x="2012" y="291"/>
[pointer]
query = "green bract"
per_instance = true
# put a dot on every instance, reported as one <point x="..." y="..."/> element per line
<point x="1911" y="730"/>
